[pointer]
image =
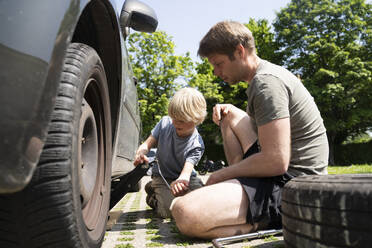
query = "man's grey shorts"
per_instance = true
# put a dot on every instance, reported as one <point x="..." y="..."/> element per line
<point x="264" y="196"/>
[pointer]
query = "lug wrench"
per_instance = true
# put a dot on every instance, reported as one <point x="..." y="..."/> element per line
<point x="259" y="234"/>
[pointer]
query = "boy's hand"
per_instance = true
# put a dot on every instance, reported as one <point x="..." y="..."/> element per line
<point x="140" y="159"/>
<point x="179" y="187"/>
<point x="143" y="149"/>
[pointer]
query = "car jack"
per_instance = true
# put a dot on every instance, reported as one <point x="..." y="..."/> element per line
<point x="127" y="181"/>
<point x="217" y="242"/>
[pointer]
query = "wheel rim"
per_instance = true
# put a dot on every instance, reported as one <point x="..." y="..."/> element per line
<point x="89" y="153"/>
<point x="92" y="156"/>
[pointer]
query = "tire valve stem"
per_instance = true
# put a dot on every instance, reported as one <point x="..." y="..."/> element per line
<point x="83" y="140"/>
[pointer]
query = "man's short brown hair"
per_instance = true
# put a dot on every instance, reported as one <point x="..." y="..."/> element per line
<point x="224" y="37"/>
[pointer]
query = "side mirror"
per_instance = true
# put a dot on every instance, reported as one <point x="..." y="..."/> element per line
<point x="139" y="16"/>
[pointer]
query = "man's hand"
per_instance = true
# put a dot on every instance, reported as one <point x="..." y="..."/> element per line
<point x="219" y="111"/>
<point x="215" y="177"/>
<point x="179" y="187"/>
<point x="140" y="159"/>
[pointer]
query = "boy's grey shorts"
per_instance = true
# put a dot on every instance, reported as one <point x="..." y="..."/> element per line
<point x="164" y="196"/>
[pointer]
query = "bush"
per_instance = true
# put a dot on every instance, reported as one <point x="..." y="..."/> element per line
<point x="214" y="152"/>
<point x="354" y="153"/>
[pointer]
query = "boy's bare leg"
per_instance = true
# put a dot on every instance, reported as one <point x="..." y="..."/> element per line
<point x="217" y="210"/>
<point x="237" y="133"/>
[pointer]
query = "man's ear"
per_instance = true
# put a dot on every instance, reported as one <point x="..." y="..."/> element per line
<point x="240" y="51"/>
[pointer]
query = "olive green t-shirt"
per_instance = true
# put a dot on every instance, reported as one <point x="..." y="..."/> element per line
<point x="275" y="93"/>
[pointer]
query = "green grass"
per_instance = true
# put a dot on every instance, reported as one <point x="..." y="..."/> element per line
<point x="154" y="244"/>
<point x="184" y="244"/>
<point x="125" y="239"/>
<point x="154" y="237"/>
<point x="152" y="231"/>
<point x="128" y="227"/>
<point x="183" y="240"/>
<point x="124" y="246"/>
<point x="174" y="229"/>
<point x="353" y="169"/>
<point x="152" y="225"/>
<point x="270" y="239"/>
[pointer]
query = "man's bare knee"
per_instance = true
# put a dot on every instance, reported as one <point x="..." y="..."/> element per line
<point x="179" y="213"/>
<point x="226" y="120"/>
<point x="184" y="218"/>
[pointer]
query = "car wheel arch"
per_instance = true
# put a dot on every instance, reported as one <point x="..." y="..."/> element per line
<point x="104" y="37"/>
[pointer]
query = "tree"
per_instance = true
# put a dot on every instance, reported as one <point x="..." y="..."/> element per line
<point x="266" y="45"/>
<point x="328" y="44"/>
<point x="159" y="73"/>
<point x="210" y="86"/>
<point x="216" y="91"/>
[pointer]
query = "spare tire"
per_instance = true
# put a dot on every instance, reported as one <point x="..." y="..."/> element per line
<point x="328" y="211"/>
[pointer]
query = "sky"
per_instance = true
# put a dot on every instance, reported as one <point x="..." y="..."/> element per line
<point x="187" y="21"/>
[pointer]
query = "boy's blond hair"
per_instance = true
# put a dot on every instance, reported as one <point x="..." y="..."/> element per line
<point x="188" y="104"/>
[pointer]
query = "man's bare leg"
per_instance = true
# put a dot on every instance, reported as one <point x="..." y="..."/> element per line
<point x="231" y="145"/>
<point x="217" y="210"/>
<point x="237" y="133"/>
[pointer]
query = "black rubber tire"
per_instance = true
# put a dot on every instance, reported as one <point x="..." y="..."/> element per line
<point x="63" y="207"/>
<point x="328" y="211"/>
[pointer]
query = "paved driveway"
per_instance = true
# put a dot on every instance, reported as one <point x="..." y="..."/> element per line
<point x="132" y="224"/>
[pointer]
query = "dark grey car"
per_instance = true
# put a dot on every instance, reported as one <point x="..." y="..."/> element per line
<point x="69" y="117"/>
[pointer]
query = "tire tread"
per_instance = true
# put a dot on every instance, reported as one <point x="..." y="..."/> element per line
<point x="327" y="211"/>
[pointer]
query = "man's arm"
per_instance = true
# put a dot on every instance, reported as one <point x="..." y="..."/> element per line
<point x="143" y="149"/>
<point x="272" y="160"/>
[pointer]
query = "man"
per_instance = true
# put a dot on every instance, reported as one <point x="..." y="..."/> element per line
<point x="284" y="120"/>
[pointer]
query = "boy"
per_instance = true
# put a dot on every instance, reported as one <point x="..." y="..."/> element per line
<point x="179" y="149"/>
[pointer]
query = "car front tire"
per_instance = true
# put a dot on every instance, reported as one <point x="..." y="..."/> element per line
<point x="66" y="204"/>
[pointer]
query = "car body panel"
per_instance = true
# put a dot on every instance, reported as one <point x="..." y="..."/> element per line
<point x="33" y="41"/>
<point x="26" y="93"/>
<point x="128" y="122"/>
